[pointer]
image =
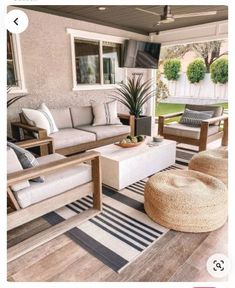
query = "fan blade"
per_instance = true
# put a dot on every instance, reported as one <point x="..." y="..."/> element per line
<point x="197" y="14"/>
<point x="147" y="11"/>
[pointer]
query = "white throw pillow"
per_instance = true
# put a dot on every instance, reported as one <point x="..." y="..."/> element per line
<point x="41" y="118"/>
<point x="106" y="114"/>
<point x="43" y="108"/>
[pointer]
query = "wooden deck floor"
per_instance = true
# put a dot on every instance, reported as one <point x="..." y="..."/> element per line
<point x="175" y="257"/>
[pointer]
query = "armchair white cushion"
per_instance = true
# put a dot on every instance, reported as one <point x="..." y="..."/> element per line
<point x="55" y="183"/>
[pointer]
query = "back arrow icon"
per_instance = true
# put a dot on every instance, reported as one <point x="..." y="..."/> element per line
<point x="15" y="21"/>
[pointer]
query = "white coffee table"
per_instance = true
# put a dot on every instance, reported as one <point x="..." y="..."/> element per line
<point x="122" y="167"/>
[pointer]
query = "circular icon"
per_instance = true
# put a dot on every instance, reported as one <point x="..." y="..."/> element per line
<point x="17" y="21"/>
<point x="218" y="265"/>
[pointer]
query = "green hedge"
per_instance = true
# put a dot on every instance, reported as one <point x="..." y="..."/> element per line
<point x="172" y="69"/>
<point x="219" y="71"/>
<point x="196" y="71"/>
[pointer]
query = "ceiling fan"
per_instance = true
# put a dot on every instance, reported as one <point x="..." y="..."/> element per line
<point x="167" y="16"/>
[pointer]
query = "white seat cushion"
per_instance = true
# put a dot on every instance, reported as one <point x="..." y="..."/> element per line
<point x="107" y="131"/>
<point x="55" y="183"/>
<point x="69" y="137"/>
<point x="182" y="130"/>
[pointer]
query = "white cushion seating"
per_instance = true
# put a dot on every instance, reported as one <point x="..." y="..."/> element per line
<point x="106" y="131"/>
<point x="69" y="137"/>
<point x="182" y="130"/>
<point x="56" y="183"/>
<point x="81" y="115"/>
<point x="62" y="117"/>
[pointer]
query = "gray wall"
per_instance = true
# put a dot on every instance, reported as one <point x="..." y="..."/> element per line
<point x="46" y="54"/>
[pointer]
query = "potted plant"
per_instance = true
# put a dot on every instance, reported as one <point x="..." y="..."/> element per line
<point x="134" y="95"/>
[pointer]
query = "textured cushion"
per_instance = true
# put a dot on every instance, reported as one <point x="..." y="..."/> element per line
<point x="27" y="160"/>
<point x="62" y="117"/>
<point x="13" y="165"/>
<point x="194" y="118"/>
<point x="55" y="183"/>
<point x="218" y="110"/>
<point x="182" y="130"/>
<point x="70" y="137"/>
<point x="105" y="114"/>
<point x="81" y="115"/>
<point x="37" y="118"/>
<point x="107" y="131"/>
<point x="44" y="109"/>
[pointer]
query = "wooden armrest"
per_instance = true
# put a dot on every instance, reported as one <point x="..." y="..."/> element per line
<point x="215" y="119"/>
<point x="34" y="142"/>
<point x="27" y="127"/>
<point x="171" y="115"/>
<point x="123" y="116"/>
<point x="33" y="172"/>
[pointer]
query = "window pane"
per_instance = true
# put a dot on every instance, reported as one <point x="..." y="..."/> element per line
<point x="87" y="61"/>
<point x="111" y="63"/>
<point x="11" y="71"/>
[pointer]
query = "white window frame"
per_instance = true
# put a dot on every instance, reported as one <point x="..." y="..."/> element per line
<point x="81" y="34"/>
<point x="17" y="55"/>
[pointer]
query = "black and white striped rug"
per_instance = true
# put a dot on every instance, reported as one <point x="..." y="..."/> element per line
<point x="123" y="231"/>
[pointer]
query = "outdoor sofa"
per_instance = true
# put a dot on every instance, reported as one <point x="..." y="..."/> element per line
<point x="76" y="132"/>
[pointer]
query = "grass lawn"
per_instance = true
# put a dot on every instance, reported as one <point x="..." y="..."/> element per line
<point x="166" y="108"/>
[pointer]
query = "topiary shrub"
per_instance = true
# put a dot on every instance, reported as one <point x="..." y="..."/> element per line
<point x="219" y="71"/>
<point x="196" y="71"/>
<point x="172" y="69"/>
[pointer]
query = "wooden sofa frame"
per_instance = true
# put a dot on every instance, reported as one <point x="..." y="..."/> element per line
<point x="23" y="215"/>
<point x="204" y="137"/>
<point x="27" y="130"/>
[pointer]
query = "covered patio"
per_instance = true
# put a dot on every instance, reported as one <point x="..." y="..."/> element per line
<point x="69" y="59"/>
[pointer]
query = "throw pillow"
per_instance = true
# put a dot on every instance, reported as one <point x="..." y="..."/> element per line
<point x="105" y="114"/>
<point x="41" y="118"/>
<point x="27" y="160"/>
<point x="194" y="118"/>
<point x="13" y="165"/>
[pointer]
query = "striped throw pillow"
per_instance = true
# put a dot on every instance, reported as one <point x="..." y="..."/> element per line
<point x="194" y="118"/>
<point x="27" y="160"/>
<point x="105" y="114"/>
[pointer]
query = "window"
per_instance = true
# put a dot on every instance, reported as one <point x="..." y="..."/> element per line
<point x="15" y="75"/>
<point x="11" y="68"/>
<point x="97" y="62"/>
<point x="111" y="62"/>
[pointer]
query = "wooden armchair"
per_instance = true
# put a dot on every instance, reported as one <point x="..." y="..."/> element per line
<point x="23" y="215"/>
<point x="210" y="130"/>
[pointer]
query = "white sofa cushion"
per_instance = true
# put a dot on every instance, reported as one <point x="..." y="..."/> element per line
<point x="107" y="131"/>
<point x="13" y="165"/>
<point x="182" y="130"/>
<point x="70" y="137"/>
<point x="81" y="115"/>
<point x="55" y="183"/>
<point x="62" y="117"/>
<point x="105" y="114"/>
<point x="37" y="118"/>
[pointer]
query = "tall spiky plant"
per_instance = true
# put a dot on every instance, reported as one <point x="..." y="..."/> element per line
<point x="135" y="94"/>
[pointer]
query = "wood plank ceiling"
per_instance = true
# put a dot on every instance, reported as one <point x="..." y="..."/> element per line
<point x="128" y="18"/>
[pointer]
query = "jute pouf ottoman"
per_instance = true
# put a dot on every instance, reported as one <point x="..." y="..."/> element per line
<point x="186" y="200"/>
<point x="212" y="162"/>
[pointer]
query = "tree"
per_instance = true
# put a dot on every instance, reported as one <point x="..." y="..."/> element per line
<point x="196" y="71"/>
<point x="219" y="71"/>
<point x="172" y="69"/>
<point x="208" y="51"/>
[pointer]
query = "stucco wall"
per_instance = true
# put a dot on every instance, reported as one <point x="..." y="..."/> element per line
<point x="47" y="64"/>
